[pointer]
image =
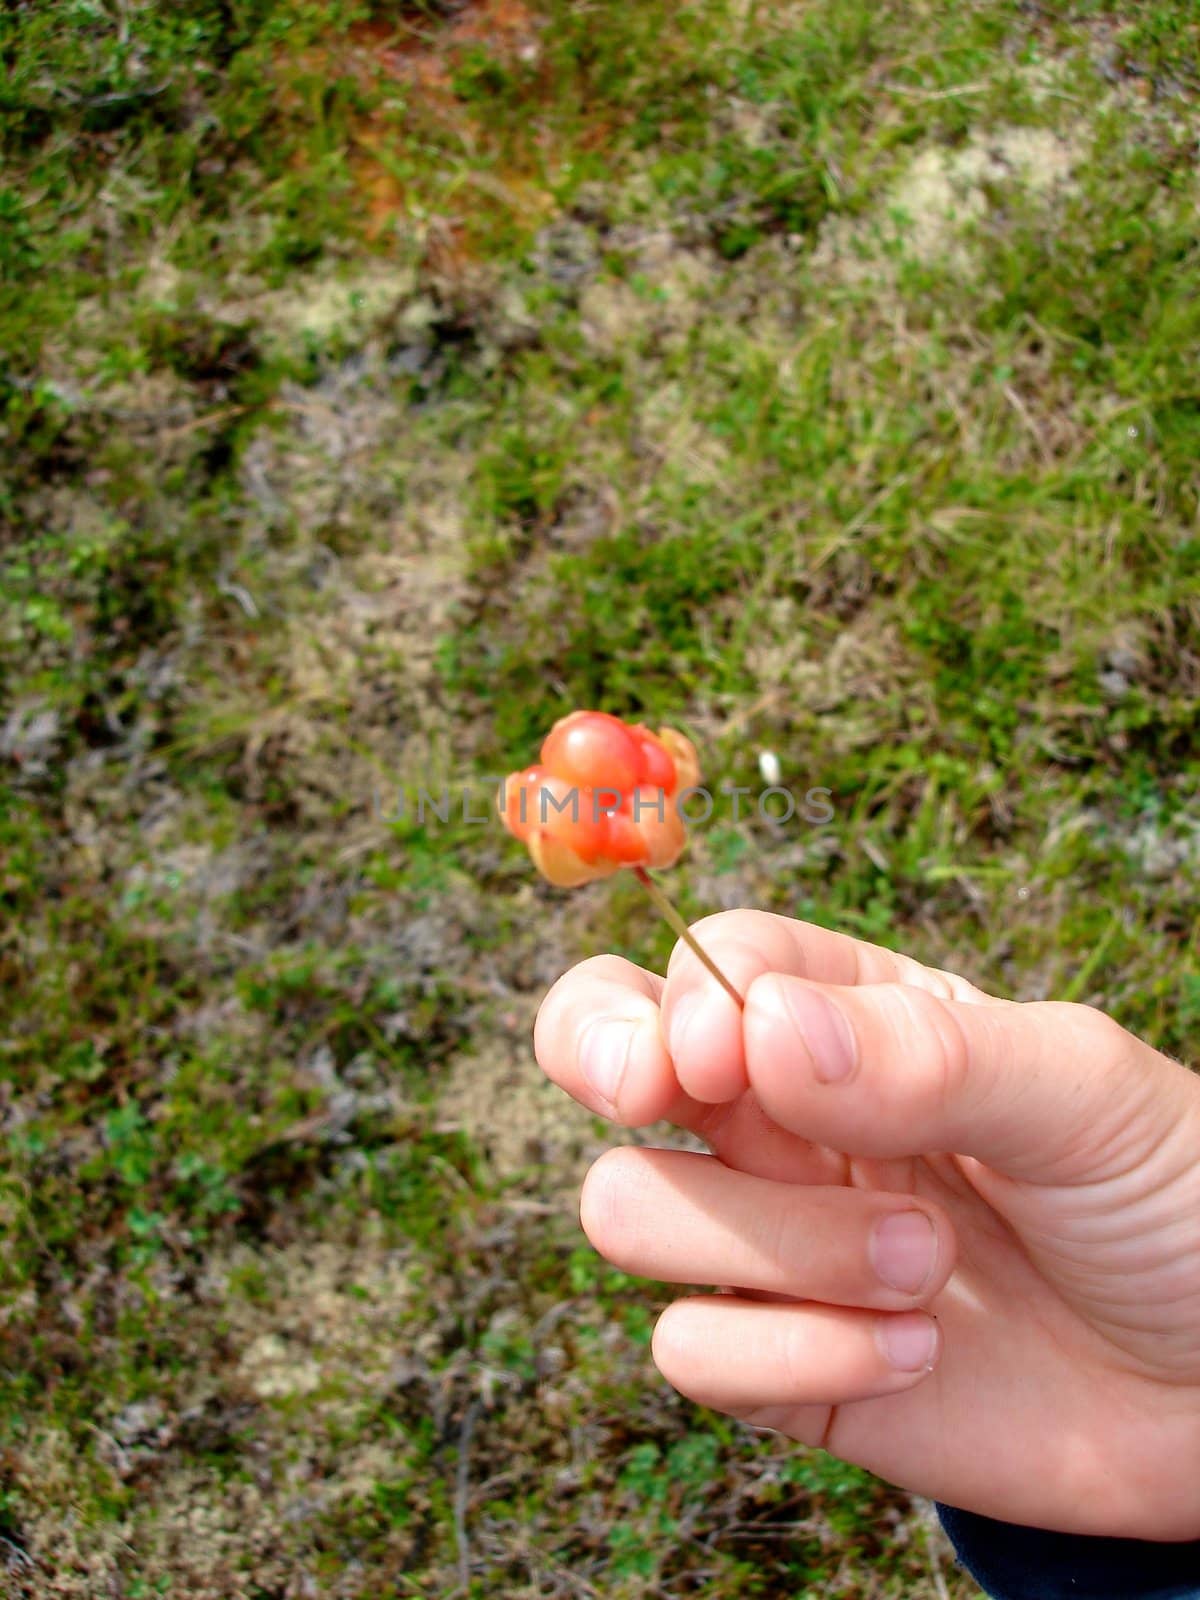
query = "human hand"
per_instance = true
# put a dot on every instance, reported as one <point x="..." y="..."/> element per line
<point x="1051" y="1161"/>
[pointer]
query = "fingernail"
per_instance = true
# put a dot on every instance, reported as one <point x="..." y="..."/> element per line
<point x="904" y="1250"/>
<point x="604" y="1053"/>
<point x="683" y="1016"/>
<point x="909" y="1340"/>
<point x="825" y="1031"/>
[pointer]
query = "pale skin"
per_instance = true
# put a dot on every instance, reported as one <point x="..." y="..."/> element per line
<point x="1045" y="1354"/>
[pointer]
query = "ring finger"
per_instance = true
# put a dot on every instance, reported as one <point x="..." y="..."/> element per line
<point x="773" y="1364"/>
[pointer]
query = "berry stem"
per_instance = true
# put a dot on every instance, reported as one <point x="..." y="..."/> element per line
<point x="676" y="923"/>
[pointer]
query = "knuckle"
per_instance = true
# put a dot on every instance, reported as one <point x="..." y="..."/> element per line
<point x="747" y="930"/>
<point x="931" y="1036"/>
<point x="962" y="989"/>
<point x="711" y="929"/>
<point x="783" y="1242"/>
<point x="930" y="980"/>
<point x="1101" y="1038"/>
<point x="795" y="1357"/>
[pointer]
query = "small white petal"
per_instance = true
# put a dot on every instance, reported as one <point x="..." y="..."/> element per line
<point x="768" y="765"/>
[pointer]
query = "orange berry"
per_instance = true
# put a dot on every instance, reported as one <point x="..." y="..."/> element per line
<point x="594" y="750"/>
<point x="516" y="802"/>
<point x="563" y="811"/>
<point x="657" y="767"/>
<point x="683" y="753"/>
<point x="561" y="866"/>
<point x="626" y="841"/>
<point x="601" y="798"/>
<point x="661" y="827"/>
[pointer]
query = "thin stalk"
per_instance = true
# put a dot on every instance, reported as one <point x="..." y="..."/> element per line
<point x="676" y="923"/>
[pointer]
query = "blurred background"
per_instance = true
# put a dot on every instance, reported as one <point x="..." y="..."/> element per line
<point x="378" y="383"/>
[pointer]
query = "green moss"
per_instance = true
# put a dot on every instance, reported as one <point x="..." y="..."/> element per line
<point x="380" y="383"/>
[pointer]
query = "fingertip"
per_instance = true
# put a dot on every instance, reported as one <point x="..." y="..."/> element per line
<point x="788" y="1018"/>
<point x="912" y="1249"/>
<point x="703" y="1023"/>
<point x="598" y="1199"/>
<point x="672" y="1342"/>
<point x="704" y="1042"/>
<point x="772" y="1048"/>
<point x="624" y="1071"/>
<point x="763" y="1005"/>
<point x="649" y="1087"/>
<point x="597" y="1035"/>
<point x="911" y="1342"/>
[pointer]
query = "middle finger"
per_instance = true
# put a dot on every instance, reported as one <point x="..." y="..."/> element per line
<point x="686" y="1218"/>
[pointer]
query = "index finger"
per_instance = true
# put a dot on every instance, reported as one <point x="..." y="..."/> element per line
<point x="598" y="1036"/>
<point x="703" y="1026"/>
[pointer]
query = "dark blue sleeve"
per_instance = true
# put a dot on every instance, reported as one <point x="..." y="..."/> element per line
<point x="1014" y="1563"/>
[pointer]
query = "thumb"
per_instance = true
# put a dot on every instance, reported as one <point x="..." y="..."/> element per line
<point x="1046" y="1091"/>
